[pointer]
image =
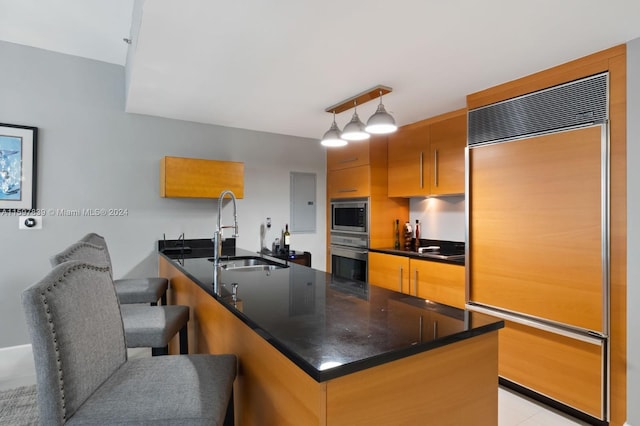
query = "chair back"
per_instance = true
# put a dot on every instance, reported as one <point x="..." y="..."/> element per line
<point x="82" y="251"/>
<point x="77" y="336"/>
<point x="97" y="240"/>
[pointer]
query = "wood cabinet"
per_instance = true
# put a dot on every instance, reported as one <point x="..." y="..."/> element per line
<point x="359" y="170"/>
<point x="408" y="167"/>
<point x="349" y="182"/>
<point x="614" y="368"/>
<point x="200" y="178"/>
<point x="427" y="157"/>
<point x="437" y="281"/>
<point x="562" y="368"/>
<point x="352" y="155"/>
<point x="452" y="384"/>
<point x="447" y="141"/>
<point x="389" y="271"/>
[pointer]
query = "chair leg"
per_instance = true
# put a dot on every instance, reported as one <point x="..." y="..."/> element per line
<point x="160" y="351"/>
<point x="163" y="299"/>
<point x="184" y="340"/>
<point x="229" y="419"/>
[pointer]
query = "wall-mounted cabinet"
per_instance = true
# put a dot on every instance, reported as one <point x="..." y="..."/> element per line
<point x="200" y="178"/>
<point x="427" y="158"/>
<point x="348" y="183"/>
<point x="352" y="155"/>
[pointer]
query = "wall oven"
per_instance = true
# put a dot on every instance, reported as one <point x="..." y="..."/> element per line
<point x="349" y="254"/>
<point x="350" y="215"/>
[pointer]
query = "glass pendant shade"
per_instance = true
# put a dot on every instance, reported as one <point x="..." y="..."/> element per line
<point x="381" y="122"/>
<point x="354" y="130"/>
<point x="333" y="136"/>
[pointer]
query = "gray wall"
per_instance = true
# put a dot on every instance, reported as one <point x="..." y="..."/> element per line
<point x="633" y="232"/>
<point x="91" y="154"/>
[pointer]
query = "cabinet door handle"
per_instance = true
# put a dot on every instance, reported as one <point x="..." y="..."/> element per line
<point x="420" y="325"/>
<point x="421" y="169"/>
<point x="400" y="279"/>
<point x="435" y="167"/>
<point x="435" y="329"/>
<point x="348" y="190"/>
<point x="415" y="282"/>
<point x="348" y="160"/>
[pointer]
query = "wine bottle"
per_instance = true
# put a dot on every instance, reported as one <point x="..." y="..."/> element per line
<point x="417" y="243"/>
<point x="287" y="239"/>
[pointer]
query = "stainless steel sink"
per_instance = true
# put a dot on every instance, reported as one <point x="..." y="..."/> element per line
<point x="256" y="268"/>
<point x="249" y="264"/>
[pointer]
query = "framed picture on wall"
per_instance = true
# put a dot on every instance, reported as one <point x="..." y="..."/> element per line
<point x="17" y="167"/>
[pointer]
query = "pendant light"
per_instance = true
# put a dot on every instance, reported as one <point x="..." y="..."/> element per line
<point x="354" y="130"/>
<point x="333" y="136"/>
<point x="381" y="122"/>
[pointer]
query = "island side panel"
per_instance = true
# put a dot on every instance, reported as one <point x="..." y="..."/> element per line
<point x="269" y="389"/>
<point x="456" y="385"/>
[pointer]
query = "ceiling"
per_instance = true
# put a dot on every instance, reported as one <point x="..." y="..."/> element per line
<point x="276" y="65"/>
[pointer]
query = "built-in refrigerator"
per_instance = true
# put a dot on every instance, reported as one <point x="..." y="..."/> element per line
<point x="538" y="238"/>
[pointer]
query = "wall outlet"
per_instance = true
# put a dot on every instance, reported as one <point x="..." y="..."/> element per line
<point x="29" y="222"/>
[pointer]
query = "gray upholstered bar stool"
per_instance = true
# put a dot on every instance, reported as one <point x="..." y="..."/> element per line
<point x="83" y="375"/>
<point x="144" y="326"/>
<point x="133" y="290"/>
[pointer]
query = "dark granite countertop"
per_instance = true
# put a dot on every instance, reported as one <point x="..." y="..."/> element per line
<point x="448" y="252"/>
<point x="327" y="326"/>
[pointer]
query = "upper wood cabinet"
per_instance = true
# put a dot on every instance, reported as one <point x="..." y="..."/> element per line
<point x="352" y="155"/>
<point x="199" y="178"/>
<point x="408" y="164"/>
<point x="347" y="183"/>
<point x="447" y="141"/>
<point x="427" y="158"/>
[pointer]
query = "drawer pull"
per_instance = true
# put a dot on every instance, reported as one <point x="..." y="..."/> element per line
<point x="348" y="190"/>
<point x="348" y="160"/>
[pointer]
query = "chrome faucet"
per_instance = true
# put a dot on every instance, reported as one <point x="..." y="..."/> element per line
<point x="217" y="236"/>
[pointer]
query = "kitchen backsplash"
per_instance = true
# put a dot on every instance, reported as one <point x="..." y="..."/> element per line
<point x="440" y="218"/>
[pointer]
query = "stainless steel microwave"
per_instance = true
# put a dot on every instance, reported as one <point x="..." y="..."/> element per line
<point x="350" y="215"/>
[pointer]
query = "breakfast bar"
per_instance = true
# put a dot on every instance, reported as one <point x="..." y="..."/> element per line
<point x="317" y="350"/>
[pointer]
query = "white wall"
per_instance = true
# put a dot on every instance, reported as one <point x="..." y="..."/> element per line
<point x="440" y="218"/>
<point x="633" y="233"/>
<point x="91" y="154"/>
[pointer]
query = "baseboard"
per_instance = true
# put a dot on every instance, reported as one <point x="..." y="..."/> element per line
<point x="16" y="366"/>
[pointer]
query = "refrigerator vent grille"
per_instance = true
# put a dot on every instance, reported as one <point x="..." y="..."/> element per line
<point x="571" y="104"/>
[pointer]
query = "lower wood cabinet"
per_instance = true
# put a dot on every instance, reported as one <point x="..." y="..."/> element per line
<point x="436" y="281"/>
<point x="389" y="271"/>
<point x="440" y="282"/>
<point x="565" y="369"/>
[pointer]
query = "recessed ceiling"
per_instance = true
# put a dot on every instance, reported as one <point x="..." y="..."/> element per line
<point x="275" y="66"/>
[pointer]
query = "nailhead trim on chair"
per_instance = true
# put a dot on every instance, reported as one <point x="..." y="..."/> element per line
<point x="53" y="330"/>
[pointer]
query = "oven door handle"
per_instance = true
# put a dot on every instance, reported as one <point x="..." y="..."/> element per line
<point x="349" y="253"/>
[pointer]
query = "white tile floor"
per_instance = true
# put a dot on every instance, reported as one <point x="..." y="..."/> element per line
<point x="513" y="408"/>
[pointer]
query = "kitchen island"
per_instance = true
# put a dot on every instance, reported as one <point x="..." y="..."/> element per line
<point x="314" y="350"/>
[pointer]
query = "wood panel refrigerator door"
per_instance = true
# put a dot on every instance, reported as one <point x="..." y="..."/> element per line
<point x="536" y="227"/>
